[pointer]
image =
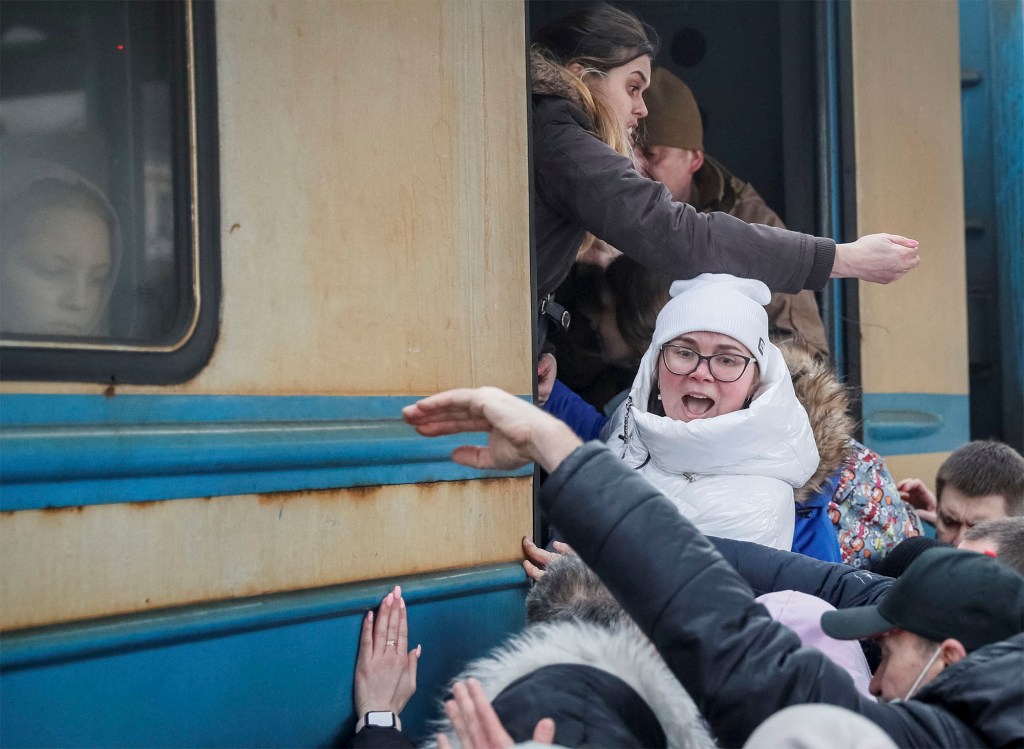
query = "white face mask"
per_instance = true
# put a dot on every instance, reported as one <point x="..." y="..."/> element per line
<point x="924" y="670"/>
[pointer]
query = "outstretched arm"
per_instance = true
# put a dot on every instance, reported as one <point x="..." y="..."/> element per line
<point x="518" y="433"/>
<point x="880" y="258"/>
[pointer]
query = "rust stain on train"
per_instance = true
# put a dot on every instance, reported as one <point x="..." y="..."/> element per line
<point x="363" y="493"/>
<point x="273" y="498"/>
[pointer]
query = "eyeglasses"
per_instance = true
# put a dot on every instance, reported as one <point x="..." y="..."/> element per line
<point x="723" y="367"/>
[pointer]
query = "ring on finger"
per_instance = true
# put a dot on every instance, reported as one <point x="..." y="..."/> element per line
<point x="391" y="643"/>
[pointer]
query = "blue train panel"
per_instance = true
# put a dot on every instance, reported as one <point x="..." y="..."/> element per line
<point x="262" y="672"/>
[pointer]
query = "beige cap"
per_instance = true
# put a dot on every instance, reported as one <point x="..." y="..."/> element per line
<point x="672" y="115"/>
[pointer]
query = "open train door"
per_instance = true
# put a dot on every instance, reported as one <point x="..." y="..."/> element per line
<point x="907" y="167"/>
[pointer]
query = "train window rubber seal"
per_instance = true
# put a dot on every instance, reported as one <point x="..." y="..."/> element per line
<point x="196" y="215"/>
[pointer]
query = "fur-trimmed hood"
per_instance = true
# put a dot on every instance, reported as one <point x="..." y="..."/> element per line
<point x="621" y="651"/>
<point x="827" y="403"/>
<point x="548" y="78"/>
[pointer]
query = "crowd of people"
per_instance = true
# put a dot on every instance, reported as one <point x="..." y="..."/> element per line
<point x="728" y="565"/>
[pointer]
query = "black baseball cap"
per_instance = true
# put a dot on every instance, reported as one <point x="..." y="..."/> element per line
<point x="943" y="593"/>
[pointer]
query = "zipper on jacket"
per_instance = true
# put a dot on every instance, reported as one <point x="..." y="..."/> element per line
<point x="625" y="426"/>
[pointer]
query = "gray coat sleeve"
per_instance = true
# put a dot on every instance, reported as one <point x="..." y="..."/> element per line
<point x="592" y="185"/>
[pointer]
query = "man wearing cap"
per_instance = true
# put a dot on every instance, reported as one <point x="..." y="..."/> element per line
<point x="738" y="664"/>
<point x="672" y="152"/>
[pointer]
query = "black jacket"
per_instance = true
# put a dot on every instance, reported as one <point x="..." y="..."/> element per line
<point x="767" y="570"/>
<point x="581" y="185"/>
<point x="738" y="664"/>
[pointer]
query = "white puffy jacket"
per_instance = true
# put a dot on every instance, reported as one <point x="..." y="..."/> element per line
<point x="731" y="475"/>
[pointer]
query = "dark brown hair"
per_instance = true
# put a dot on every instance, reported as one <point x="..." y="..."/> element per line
<point x="985" y="467"/>
<point x="639" y="295"/>
<point x="598" y="37"/>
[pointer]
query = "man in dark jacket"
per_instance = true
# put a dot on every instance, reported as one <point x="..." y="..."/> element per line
<point x="738" y="664"/>
<point x="673" y="153"/>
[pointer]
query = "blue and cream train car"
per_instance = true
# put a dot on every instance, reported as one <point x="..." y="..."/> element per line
<point x="323" y="214"/>
<point x="295" y="218"/>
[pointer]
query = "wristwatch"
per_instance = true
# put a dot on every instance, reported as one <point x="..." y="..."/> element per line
<point x="379" y="719"/>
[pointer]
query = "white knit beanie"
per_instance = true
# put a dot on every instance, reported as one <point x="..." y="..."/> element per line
<point x="717" y="303"/>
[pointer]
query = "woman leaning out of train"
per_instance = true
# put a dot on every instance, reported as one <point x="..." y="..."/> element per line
<point x="589" y="71"/>
<point x="712" y="420"/>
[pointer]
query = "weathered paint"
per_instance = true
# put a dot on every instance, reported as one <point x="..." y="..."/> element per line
<point x="909" y="176"/>
<point x="77" y="563"/>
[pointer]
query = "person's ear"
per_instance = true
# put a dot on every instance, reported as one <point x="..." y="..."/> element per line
<point x="575" y="68"/>
<point x="697" y="162"/>
<point x="952" y="651"/>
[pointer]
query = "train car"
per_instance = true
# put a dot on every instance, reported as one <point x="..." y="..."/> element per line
<point x="302" y="216"/>
<point x="323" y="215"/>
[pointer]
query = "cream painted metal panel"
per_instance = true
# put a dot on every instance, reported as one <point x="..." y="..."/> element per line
<point x="909" y="176"/>
<point x="374" y="199"/>
<point x="61" y="565"/>
<point x="922" y="466"/>
<point x="375" y="182"/>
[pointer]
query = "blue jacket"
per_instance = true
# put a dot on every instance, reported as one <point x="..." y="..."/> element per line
<point x="814" y="534"/>
<point x="582" y="417"/>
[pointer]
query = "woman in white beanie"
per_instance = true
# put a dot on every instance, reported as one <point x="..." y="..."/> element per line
<point x="712" y="419"/>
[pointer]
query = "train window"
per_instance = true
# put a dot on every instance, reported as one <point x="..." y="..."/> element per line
<point x="108" y="267"/>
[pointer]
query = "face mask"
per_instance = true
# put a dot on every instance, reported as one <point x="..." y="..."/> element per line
<point x="924" y="670"/>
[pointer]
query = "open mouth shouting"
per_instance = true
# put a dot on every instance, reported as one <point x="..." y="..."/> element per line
<point x="696" y="406"/>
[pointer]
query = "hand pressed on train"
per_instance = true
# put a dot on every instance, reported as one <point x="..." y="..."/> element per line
<point x="917" y="494"/>
<point x="385" y="669"/>
<point x="880" y="258"/>
<point x="478" y="726"/>
<point x="538" y="559"/>
<point x="518" y="433"/>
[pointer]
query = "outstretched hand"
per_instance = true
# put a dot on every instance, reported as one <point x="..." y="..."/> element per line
<point x="478" y="726"/>
<point x="518" y="433"/>
<point x="538" y="559"/>
<point x="917" y="494"/>
<point x="385" y="669"/>
<point x="880" y="258"/>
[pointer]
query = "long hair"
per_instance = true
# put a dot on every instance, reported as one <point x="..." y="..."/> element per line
<point x="597" y="38"/>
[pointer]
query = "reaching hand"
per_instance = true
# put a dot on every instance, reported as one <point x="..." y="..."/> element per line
<point x="518" y="433"/>
<point x="547" y="371"/>
<point x="478" y="726"/>
<point x="537" y="559"/>
<point x="880" y="258"/>
<point x="385" y="671"/>
<point x="915" y="493"/>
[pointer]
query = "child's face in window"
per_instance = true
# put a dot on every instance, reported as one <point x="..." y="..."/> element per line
<point x="56" y="278"/>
